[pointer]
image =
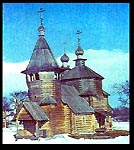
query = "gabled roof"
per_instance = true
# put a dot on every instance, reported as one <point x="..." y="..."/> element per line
<point x="48" y="100"/>
<point x="79" y="72"/>
<point x="42" y="58"/>
<point x="78" y="105"/>
<point x="34" y="110"/>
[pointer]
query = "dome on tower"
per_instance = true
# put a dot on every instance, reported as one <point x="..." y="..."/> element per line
<point x="64" y="58"/>
<point x="79" y="51"/>
<point x="41" y="28"/>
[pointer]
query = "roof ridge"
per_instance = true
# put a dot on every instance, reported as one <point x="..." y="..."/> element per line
<point x="81" y="72"/>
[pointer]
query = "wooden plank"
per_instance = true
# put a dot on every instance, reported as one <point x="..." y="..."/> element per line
<point x="86" y="125"/>
<point x="59" y="119"/>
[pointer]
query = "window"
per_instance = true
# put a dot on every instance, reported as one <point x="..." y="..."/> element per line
<point x="37" y="76"/>
<point x="31" y="77"/>
<point x="83" y="120"/>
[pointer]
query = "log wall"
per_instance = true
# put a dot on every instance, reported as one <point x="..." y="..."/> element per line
<point x="28" y="122"/>
<point x="24" y="115"/>
<point x="34" y="90"/>
<point x="62" y="120"/>
<point x="82" y="84"/>
<point x="83" y="123"/>
<point x="59" y="119"/>
<point x="100" y="104"/>
<point x="93" y="84"/>
<point x="29" y="126"/>
<point x="39" y="89"/>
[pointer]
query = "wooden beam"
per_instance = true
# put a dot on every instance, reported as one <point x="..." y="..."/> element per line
<point x="37" y="129"/>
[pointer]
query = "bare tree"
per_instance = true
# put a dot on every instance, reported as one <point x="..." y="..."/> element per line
<point x="5" y="108"/>
<point x="122" y="89"/>
<point x="17" y="98"/>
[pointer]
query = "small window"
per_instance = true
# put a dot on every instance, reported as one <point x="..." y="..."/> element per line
<point x="83" y="120"/>
<point x="31" y="77"/>
<point x="37" y="76"/>
<point x="82" y="62"/>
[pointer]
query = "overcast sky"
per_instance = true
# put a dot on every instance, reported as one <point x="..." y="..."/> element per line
<point x="104" y="38"/>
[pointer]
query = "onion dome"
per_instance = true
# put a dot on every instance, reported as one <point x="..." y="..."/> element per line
<point x="41" y="30"/>
<point x="64" y="58"/>
<point x="79" y="51"/>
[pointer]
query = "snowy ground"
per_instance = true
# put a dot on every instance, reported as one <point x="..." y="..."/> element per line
<point x="8" y="137"/>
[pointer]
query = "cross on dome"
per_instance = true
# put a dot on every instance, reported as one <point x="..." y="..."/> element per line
<point x="41" y="11"/>
<point x="78" y="32"/>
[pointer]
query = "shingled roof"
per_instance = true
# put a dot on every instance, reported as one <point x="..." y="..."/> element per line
<point x="42" y="58"/>
<point x="79" y="72"/>
<point x="34" y="110"/>
<point x="70" y="96"/>
<point x="48" y="100"/>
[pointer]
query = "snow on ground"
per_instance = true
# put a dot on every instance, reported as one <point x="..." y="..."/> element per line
<point x="8" y="137"/>
<point x="121" y="125"/>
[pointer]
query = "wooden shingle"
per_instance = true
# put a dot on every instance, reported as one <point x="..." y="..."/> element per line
<point x="79" y="72"/>
<point x="34" y="110"/>
<point x="78" y="105"/>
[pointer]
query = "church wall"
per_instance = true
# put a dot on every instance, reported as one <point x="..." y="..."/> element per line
<point x="83" y="123"/>
<point x="28" y="123"/>
<point x="59" y="119"/>
<point x="100" y="104"/>
<point x="82" y="84"/>
<point x="29" y="126"/>
<point x="93" y="84"/>
<point x="39" y="89"/>
<point x="34" y="90"/>
<point x="63" y="120"/>
<point x="96" y="103"/>
<point x="23" y="115"/>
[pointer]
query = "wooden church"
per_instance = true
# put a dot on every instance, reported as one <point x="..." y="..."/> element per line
<point x="61" y="99"/>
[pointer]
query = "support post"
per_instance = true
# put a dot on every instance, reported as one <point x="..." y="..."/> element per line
<point x="37" y="129"/>
<point x="17" y="126"/>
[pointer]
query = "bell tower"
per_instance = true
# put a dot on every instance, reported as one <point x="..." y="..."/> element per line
<point x="42" y="70"/>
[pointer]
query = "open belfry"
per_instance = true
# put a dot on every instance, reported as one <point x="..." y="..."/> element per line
<point x="61" y="99"/>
